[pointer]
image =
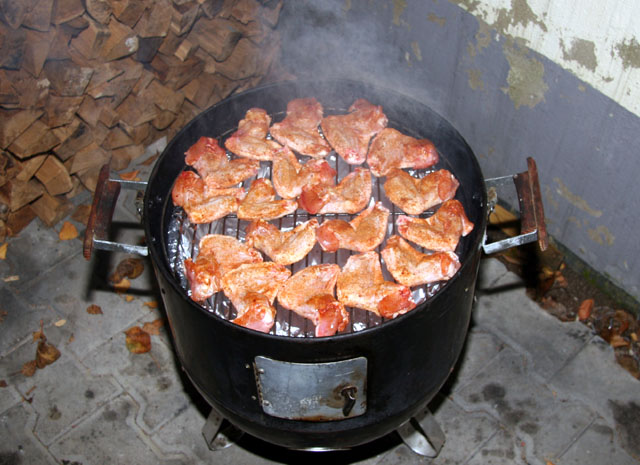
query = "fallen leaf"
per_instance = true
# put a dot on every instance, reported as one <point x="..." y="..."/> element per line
<point x="46" y="354"/>
<point x="130" y="176"/>
<point x="138" y="341"/>
<point x="29" y="368"/>
<point x="128" y="268"/>
<point x="60" y="323"/>
<point x="3" y="383"/>
<point x="584" y="311"/>
<point x="151" y="304"/>
<point x="11" y="278"/>
<point x="68" y="231"/>
<point x="122" y="286"/>
<point x="150" y="160"/>
<point x="153" y="327"/>
<point x="618" y="341"/>
<point x="3" y="250"/>
<point x="94" y="309"/>
<point x="128" y="298"/>
<point x="31" y="389"/>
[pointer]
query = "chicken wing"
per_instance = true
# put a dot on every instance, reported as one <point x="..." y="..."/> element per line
<point x="250" y="140"/>
<point x="392" y="149"/>
<point x="201" y="203"/>
<point x="361" y="284"/>
<point x="309" y="293"/>
<point x="413" y="195"/>
<point x="299" y="129"/>
<point x="284" y="247"/>
<point x="252" y="289"/>
<point x="289" y="176"/>
<point x="413" y="268"/>
<point x="217" y="255"/>
<point x="261" y="203"/>
<point x="351" y="195"/>
<point x="365" y="232"/>
<point x="349" y="134"/>
<point x="441" y="231"/>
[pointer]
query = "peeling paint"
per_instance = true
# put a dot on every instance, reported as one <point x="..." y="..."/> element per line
<point x="582" y="88"/>
<point x="475" y="79"/>
<point x="601" y="235"/>
<point x="415" y="46"/>
<point x="519" y="14"/>
<point x="629" y="53"/>
<point x="398" y="8"/>
<point x="576" y="200"/>
<point x="574" y="220"/>
<point x="347" y="6"/>
<point x="550" y="199"/>
<point x="437" y="19"/>
<point x="525" y="78"/>
<point x="582" y="52"/>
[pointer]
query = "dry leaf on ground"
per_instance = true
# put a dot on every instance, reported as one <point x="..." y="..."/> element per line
<point x="153" y="327"/>
<point x="3" y="250"/>
<point x="46" y="354"/>
<point x="128" y="268"/>
<point x="94" y="309"/>
<point x="68" y="231"/>
<point x="122" y="286"/>
<point x="59" y="323"/>
<point x="137" y="340"/>
<point x="29" y="368"/>
<point x="584" y="311"/>
<point x="130" y="176"/>
<point x="151" y="304"/>
<point x="3" y="383"/>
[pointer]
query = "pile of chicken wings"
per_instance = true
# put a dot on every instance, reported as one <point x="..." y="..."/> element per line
<point x="253" y="272"/>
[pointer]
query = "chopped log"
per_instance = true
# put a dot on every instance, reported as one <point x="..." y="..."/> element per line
<point x="109" y="116"/>
<point x="38" y="138"/>
<point x="12" y="44"/>
<point x="51" y="209"/>
<point x="66" y="78"/>
<point x="136" y="111"/>
<point x="89" y="178"/>
<point x="205" y="89"/>
<point x="91" y="108"/>
<point x="270" y="16"/>
<point x="223" y="88"/>
<point x="137" y="133"/>
<point x="147" y="48"/>
<point x="77" y="188"/>
<point x="164" y="97"/>
<point x="242" y="63"/>
<point x="90" y="41"/>
<point x="185" y="50"/>
<point x="174" y="73"/>
<point x="143" y="82"/>
<point x="122" y="42"/>
<point x="246" y="10"/>
<point x="15" y="122"/>
<point x="169" y="44"/>
<point x="211" y="7"/>
<point x="36" y="51"/>
<point x="103" y="73"/>
<point x="60" y="110"/>
<point x="19" y="219"/>
<point x="183" y="17"/>
<point x="116" y="138"/>
<point x="80" y="138"/>
<point x="155" y="22"/>
<point x="217" y="37"/>
<point x="9" y="167"/>
<point x="66" y="10"/>
<point x="29" y="167"/>
<point x="191" y="89"/>
<point x="39" y="16"/>
<point x="13" y="12"/>
<point x="17" y="194"/>
<point x="208" y="60"/>
<point x="121" y="157"/>
<point x="32" y="92"/>
<point x="118" y="89"/>
<point x="89" y="157"/>
<point x="8" y="96"/>
<point x="54" y="176"/>
<point x="99" y="10"/>
<point x="99" y="133"/>
<point x="163" y="119"/>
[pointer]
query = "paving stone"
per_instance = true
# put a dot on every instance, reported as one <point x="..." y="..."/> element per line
<point x="110" y="436"/>
<point x="21" y="319"/>
<point x="151" y="378"/>
<point x="521" y="322"/>
<point x="506" y="390"/>
<point x="18" y="444"/>
<point x="598" y="444"/>
<point x="494" y="275"/>
<point x="615" y="395"/>
<point x="503" y="448"/>
<point x="8" y="395"/>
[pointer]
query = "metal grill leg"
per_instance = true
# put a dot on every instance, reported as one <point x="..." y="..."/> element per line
<point x="422" y="434"/>
<point x="218" y="432"/>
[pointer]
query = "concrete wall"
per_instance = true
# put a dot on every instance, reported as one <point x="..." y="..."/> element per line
<point x="475" y="68"/>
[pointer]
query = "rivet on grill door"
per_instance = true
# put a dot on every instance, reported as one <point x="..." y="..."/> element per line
<point x="349" y="394"/>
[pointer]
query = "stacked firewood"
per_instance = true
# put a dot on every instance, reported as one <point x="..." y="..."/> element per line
<point x="83" y="82"/>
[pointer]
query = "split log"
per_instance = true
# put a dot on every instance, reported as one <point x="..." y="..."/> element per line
<point x="211" y="7"/>
<point x="242" y="63"/>
<point x="147" y="48"/>
<point x="217" y="37"/>
<point x="80" y="137"/>
<point x="117" y="138"/>
<point x="54" y="176"/>
<point x="36" y="51"/>
<point x="169" y="44"/>
<point x="91" y="109"/>
<point x="32" y="92"/>
<point x="29" y="167"/>
<point x="138" y="133"/>
<point x="175" y="73"/>
<point x="121" y="157"/>
<point x="108" y="116"/>
<point x="66" y="78"/>
<point x="121" y="43"/>
<point x="163" y="119"/>
<point x="185" y="50"/>
<point x="15" y="122"/>
<point x="9" y="167"/>
<point x="19" y="219"/>
<point x="155" y="22"/>
<point x="8" y="96"/>
<point x="17" y="194"/>
<point x="99" y="10"/>
<point x="13" y="12"/>
<point x="51" y="209"/>
<point x="136" y="111"/>
<point x="89" y="42"/>
<point x="164" y="97"/>
<point x="183" y="17"/>
<point x="128" y="12"/>
<point x="60" y="110"/>
<point x="12" y="44"/>
<point x="66" y="10"/>
<point x="90" y="157"/>
<point x="104" y="73"/>
<point x="39" y="16"/>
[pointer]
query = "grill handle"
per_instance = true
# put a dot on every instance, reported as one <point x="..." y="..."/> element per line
<point x="99" y="223"/>
<point x="532" y="224"/>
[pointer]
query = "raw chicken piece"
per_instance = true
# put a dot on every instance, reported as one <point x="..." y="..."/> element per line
<point x="365" y="232"/>
<point x="289" y="176"/>
<point x="349" y="134"/>
<point x="261" y="203"/>
<point x="299" y="129"/>
<point x="413" y="195"/>
<point x="252" y="288"/>
<point x="351" y="195"/>
<point x="212" y="164"/>
<point x="250" y="140"/>
<point x="392" y="149"/>
<point x="201" y="203"/>
<point x="217" y="255"/>
<point x="441" y="231"/>
<point x="361" y="284"/>
<point x="413" y="268"/>
<point x="284" y="247"/>
<point x="309" y="293"/>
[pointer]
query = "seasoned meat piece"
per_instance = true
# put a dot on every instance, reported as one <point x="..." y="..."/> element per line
<point x="299" y="129"/>
<point x="289" y="176"/>
<point x="252" y="288"/>
<point x="413" y="195"/>
<point x="250" y="140"/>
<point x="392" y="149"/>
<point x="217" y="255"/>
<point x="365" y="232"/>
<point x="309" y="293"/>
<point x="201" y="203"/>
<point x="441" y="231"/>
<point x="212" y="164"/>
<point x="349" y="134"/>
<point x="351" y="195"/>
<point x="284" y="247"/>
<point x="261" y="203"/>
<point x="413" y="268"/>
<point x="361" y="284"/>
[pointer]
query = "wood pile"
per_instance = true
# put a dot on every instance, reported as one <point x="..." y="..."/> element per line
<point x="83" y="82"/>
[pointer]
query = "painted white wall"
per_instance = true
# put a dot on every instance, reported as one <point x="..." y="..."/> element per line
<point x="597" y="40"/>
